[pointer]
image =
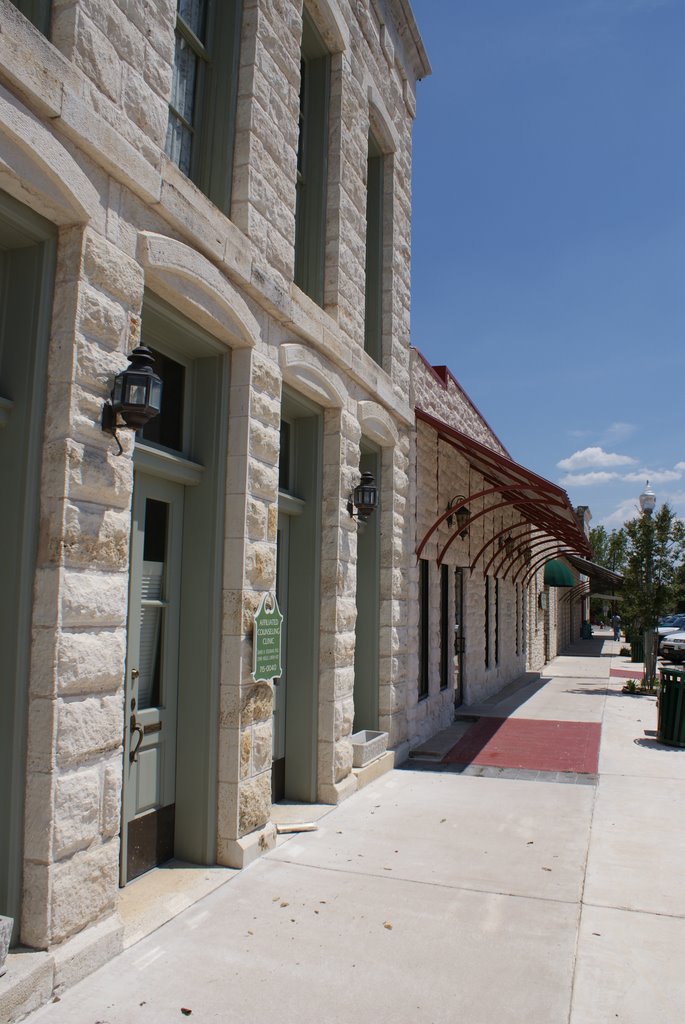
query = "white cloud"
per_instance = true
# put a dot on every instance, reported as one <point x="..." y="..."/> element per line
<point x="587" y="479"/>
<point x="595" y="457"/>
<point x="618" y="431"/>
<point x="676" y="499"/>
<point x="679" y="465"/>
<point x="655" y="476"/>
<point x="626" y="510"/>
<point x="630" y="509"/>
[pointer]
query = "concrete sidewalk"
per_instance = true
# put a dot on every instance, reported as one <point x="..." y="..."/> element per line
<point x="439" y="896"/>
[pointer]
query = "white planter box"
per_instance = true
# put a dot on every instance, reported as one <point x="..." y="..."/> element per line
<point x="367" y="746"/>
<point x="6" y="924"/>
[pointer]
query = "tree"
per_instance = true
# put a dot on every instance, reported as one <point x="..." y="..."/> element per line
<point x="655" y="551"/>
<point x="678" y="589"/>
<point x="650" y="552"/>
<point x="610" y="551"/>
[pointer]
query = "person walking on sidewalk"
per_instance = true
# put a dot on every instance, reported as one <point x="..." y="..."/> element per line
<point x="616" y="623"/>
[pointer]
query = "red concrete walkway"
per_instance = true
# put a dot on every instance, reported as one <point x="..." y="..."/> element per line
<point x="530" y="743"/>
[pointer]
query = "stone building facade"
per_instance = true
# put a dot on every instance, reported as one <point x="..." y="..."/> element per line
<point x="230" y="188"/>
<point x="481" y="614"/>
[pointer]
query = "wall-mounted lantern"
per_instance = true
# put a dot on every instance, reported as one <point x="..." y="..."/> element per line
<point x="462" y="515"/>
<point x="136" y="395"/>
<point x="364" y="498"/>
<point x="507" y="544"/>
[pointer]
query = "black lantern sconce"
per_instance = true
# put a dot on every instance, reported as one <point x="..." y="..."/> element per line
<point x="462" y="515"/>
<point x="364" y="498"/>
<point x="507" y="543"/>
<point x="136" y="395"/>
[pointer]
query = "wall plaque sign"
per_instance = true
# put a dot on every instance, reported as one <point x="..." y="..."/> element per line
<point x="266" y="640"/>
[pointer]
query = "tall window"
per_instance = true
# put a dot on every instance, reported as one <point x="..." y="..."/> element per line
<point x="203" y="94"/>
<point x="487" y="622"/>
<point x="496" y="622"/>
<point x="373" y="306"/>
<point x="424" y="620"/>
<point x="312" y="163"/>
<point x="444" y="626"/>
<point x="37" y="11"/>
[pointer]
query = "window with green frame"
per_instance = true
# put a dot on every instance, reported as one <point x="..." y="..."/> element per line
<point x="373" y="285"/>
<point x="444" y="626"/>
<point x="312" y="162"/>
<point x="486" y="623"/>
<point x="201" y="127"/>
<point x="497" y="621"/>
<point x="424" y="625"/>
<point x="37" y="11"/>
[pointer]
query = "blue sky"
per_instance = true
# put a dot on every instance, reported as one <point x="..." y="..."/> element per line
<point x="548" y="257"/>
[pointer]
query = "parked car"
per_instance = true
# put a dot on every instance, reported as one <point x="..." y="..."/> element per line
<point x="673" y="646"/>
<point x="668" y="625"/>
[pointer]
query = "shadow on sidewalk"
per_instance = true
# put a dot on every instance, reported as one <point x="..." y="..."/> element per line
<point x="588" y="648"/>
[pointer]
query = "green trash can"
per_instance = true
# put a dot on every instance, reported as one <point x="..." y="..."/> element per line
<point x="671" y="722"/>
<point x="637" y="650"/>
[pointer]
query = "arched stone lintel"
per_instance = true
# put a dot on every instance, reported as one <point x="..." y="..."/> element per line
<point x="330" y="23"/>
<point x="377" y="424"/>
<point x="194" y="286"/>
<point x="310" y="374"/>
<point x="37" y="169"/>
<point x="380" y="121"/>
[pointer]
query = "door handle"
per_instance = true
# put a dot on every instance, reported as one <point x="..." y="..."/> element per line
<point x="137" y="732"/>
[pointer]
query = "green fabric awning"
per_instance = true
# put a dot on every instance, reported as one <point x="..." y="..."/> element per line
<point x="558" y="575"/>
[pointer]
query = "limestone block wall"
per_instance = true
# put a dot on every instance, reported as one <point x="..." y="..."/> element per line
<point x="342" y="435"/>
<point x="265" y="151"/>
<point x="437" y="391"/>
<point x="538" y="625"/>
<point x="395" y="608"/>
<point x="440" y="474"/>
<point x="245" y="736"/>
<point x="82" y="125"/>
<point x="75" y="716"/>
<point x="553" y="628"/>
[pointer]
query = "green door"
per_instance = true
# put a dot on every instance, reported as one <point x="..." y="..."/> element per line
<point x="27" y="257"/>
<point x="367" y="629"/>
<point x="281" y="685"/>
<point x="459" y="637"/>
<point x="152" y="675"/>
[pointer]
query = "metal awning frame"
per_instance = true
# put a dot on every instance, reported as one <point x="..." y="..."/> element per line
<point x="529" y="538"/>
<point x="542" y="504"/>
<point x="534" y="539"/>
<point x="552" y="550"/>
<point x="581" y="589"/>
<point x="600" y="573"/>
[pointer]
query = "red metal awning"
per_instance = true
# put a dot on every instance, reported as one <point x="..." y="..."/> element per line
<point x="542" y="505"/>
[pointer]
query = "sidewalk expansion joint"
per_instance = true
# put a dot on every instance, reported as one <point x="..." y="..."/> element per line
<point x="570" y="901"/>
<point x="493" y="772"/>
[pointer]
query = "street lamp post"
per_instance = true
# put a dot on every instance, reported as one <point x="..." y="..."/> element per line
<point x="647" y="505"/>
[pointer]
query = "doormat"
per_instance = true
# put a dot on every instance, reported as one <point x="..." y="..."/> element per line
<point x="528" y="743"/>
<point x="628" y="673"/>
